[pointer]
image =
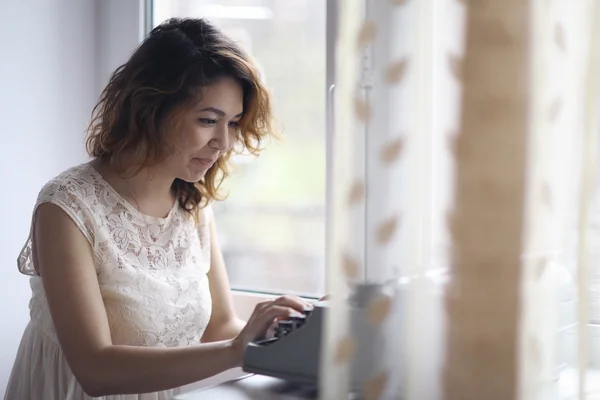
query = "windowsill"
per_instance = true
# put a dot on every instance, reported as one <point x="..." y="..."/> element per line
<point x="568" y="384"/>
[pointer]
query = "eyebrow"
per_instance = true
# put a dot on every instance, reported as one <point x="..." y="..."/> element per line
<point x="219" y="112"/>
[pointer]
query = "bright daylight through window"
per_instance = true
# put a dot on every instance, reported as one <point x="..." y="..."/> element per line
<point x="272" y="225"/>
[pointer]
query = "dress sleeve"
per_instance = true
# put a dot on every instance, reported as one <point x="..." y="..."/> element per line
<point x="70" y="196"/>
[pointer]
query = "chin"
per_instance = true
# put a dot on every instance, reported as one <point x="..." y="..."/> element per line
<point x="192" y="176"/>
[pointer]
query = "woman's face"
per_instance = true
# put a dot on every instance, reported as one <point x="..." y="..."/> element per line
<point x="207" y="130"/>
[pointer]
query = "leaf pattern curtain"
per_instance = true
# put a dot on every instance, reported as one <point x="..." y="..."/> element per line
<point x="482" y="136"/>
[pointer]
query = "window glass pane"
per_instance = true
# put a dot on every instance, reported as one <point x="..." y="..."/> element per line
<point x="272" y="226"/>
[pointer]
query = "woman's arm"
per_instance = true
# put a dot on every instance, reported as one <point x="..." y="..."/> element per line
<point x="224" y="323"/>
<point x="64" y="260"/>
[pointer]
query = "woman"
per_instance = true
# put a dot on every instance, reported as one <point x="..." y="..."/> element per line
<point x="131" y="299"/>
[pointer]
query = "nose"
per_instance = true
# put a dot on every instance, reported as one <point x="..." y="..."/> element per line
<point x="221" y="137"/>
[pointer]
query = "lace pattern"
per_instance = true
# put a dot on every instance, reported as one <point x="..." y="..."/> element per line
<point x="152" y="272"/>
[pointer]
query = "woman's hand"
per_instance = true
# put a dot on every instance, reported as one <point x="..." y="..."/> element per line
<point x="264" y="315"/>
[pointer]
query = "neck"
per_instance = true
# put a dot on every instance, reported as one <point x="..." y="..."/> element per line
<point x="148" y="190"/>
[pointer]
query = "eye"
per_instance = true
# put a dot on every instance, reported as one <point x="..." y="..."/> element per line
<point x="207" y="121"/>
<point x="234" y="124"/>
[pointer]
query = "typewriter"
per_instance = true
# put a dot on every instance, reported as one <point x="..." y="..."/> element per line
<point x="293" y="354"/>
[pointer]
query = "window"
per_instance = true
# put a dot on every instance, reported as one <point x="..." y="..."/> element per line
<point x="272" y="226"/>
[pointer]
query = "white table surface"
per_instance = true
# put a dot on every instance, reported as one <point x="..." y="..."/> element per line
<point x="249" y="387"/>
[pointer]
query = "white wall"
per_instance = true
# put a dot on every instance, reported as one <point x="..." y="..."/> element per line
<point x="119" y="30"/>
<point x="54" y="57"/>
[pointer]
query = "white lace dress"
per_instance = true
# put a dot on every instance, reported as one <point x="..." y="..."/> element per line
<point x="152" y="274"/>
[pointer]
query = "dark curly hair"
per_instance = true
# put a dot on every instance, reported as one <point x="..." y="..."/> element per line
<point x="161" y="79"/>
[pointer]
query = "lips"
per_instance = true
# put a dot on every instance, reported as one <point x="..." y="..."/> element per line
<point x="206" y="162"/>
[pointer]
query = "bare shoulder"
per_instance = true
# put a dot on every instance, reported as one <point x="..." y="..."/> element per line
<point x="61" y="234"/>
<point x="57" y="237"/>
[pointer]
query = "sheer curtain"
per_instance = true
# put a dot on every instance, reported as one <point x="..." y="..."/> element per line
<point x="481" y="163"/>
